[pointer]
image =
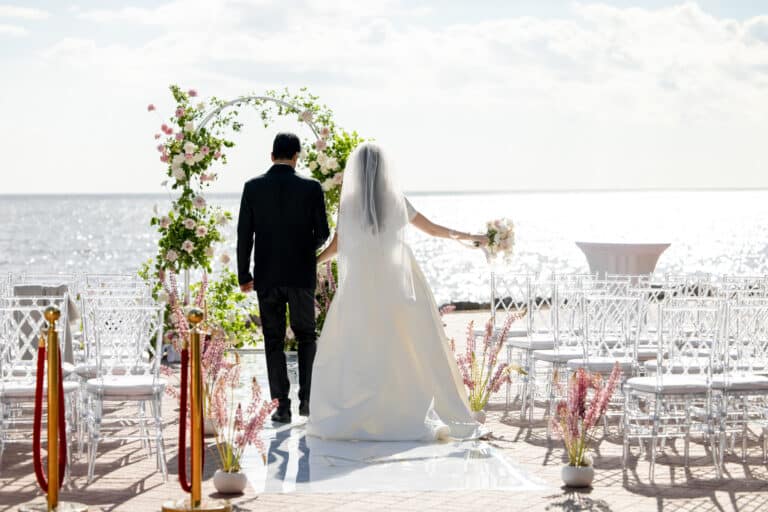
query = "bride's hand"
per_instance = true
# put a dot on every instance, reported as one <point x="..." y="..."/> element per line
<point x="479" y="240"/>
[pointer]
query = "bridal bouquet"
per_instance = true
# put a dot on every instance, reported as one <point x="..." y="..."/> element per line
<point x="501" y="239"/>
<point x="575" y="418"/>
<point x="480" y="368"/>
<point x="237" y="426"/>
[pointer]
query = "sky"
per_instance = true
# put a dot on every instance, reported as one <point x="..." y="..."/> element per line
<point x="463" y="95"/>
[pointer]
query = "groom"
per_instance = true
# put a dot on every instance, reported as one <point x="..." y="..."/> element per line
<point x="283" y="213"/>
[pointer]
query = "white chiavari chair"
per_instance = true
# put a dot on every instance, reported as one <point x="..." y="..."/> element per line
<point x="128" y="340"/>
<point x="675" y="402"/>
<point x="21" y="324"/>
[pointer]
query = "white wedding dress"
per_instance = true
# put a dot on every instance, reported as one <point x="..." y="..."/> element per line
<point x="384" y="370"/>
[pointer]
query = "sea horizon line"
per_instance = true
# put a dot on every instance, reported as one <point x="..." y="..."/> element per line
<point x="415" y="192"/>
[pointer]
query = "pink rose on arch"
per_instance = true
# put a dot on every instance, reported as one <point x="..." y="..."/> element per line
<point x="161" y="148"/>
<point x="165" y="221"/>
<point x="320" y="145"/>
<point x="150" y="107"/>
<point x="224" y="258"/>
<point x="189" y="158"/>
<point x="165" y="128"/>
<point x="205" y="150"/>
<point x="189" y="223"/>
<point x="201" y="231"/>
<point x="217" y="155"/>
<point x="188" y="246"/>
<point x="179" y="136"/>
<point x="325" y="132"/>
<point x="199" y="202"/>
<point x="164" y="158"/>
<point x="179" y="112"/>
<point x="192" y="93"/>
<point x="307" y="116"/>
<point x="172" y="255"/>
<point x="157" y="136"/>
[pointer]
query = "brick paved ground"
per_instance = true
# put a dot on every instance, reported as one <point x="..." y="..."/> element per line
<point x="128" y="481"/>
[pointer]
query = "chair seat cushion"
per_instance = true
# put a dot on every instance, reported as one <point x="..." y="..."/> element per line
<point x="26" y="390"/>
<point x="535" y="343"/>
<point x="691" y="365"/>
<point x="601" y="364"/>
<point x="514" y="332"/>
<point x="557" y="356"/>
<point x="669" y="384"/>
<point x="740" y="382"/>
<point x="23" y="368"/>
<point x="125" y="385"/>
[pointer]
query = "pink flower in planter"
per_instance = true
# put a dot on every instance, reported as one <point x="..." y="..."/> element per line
<point x="179" y="112"/>
<point x="150" y="107"/>
<point x="320" y="145"/>
<point x="192" y="93"/>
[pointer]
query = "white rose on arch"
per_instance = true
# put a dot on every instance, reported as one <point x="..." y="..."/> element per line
<point x="189" y="223"/>
<point x="179" y="174"/>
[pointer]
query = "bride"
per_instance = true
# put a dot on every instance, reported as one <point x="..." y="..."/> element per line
<point x="384" y="370"/>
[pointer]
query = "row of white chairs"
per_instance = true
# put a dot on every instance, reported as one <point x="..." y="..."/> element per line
<point x="116" y="358"/>
<point x="699" y="331"/>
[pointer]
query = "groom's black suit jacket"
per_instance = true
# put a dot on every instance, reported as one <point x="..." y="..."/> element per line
<point x="283" y="214"/>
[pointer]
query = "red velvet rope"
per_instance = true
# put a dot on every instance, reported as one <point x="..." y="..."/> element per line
<point x="37" y="459"/>
<point x="186" y="485"/>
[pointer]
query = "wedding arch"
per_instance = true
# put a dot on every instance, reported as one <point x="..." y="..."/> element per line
<point x="195" y="139"/>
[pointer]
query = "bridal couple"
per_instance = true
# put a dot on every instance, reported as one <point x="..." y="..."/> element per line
<point x="382" y="369"/>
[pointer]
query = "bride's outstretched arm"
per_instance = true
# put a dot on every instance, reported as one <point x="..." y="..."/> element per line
<point x="330" y="251"/>
<point x="439" y="231"/>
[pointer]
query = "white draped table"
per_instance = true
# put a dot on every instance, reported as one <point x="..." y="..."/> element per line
<point x="622" y="258"/>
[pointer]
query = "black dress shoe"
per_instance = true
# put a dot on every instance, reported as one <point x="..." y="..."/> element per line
<point x="304" y="408"/>
<point x="282" y="416"/>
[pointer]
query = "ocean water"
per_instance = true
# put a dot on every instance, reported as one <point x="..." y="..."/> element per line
<point x="719" y="232"/>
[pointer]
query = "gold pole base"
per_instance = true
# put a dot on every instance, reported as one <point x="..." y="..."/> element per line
<point x="41" y="505"/>
<point x="206" y="505"/>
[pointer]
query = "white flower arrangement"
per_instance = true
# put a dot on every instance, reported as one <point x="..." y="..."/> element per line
<point x="501" y="239"/>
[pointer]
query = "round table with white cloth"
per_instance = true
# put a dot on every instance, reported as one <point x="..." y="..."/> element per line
<point x="622" y="258"/>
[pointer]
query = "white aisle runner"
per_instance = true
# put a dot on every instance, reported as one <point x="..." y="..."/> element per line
<point x="303" y="464"/>
<point x="297" y="463"/>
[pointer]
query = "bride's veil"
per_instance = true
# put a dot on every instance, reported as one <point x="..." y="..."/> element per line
<point x="372" y="220"/>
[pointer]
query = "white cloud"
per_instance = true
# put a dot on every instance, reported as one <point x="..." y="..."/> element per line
<point x="644" y="93"/>
<point x="12" y="30"/>
<point x="27" y="13"/>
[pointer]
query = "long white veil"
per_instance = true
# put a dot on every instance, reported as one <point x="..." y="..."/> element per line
<point x="372" y="221"/>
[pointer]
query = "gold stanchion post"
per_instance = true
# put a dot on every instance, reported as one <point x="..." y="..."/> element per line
<point x="52" y="503"/>
<point x="195" y="502"/>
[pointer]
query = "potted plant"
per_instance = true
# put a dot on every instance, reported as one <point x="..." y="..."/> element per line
<point x="576" y="417"/>
<point x="237" y="426"/>
<point x="480" y="368"/>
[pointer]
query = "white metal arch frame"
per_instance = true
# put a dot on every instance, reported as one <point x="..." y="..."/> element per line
<point x="253" y="99"/>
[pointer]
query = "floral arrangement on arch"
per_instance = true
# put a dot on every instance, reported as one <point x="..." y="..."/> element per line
<point x="193" y="139"/>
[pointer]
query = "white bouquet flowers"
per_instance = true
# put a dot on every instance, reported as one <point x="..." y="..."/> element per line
<point x="501" y="239"/>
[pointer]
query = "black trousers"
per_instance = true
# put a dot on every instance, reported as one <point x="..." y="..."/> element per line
<point x="301" y="310"/>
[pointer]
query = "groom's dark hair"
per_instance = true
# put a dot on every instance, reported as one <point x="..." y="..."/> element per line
<point x="286" y="146"/>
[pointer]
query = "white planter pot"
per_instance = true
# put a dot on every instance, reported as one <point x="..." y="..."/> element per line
<point x="229" y="483"/>
<point x="209" y="427"/>
<point x="577" y="476"/>
<point x="479" y="416"/>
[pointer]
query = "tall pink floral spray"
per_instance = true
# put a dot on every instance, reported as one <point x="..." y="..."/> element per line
<point x="576" y="417"/>
<point x="237" y="426"/>
<point x="479" y="366"/>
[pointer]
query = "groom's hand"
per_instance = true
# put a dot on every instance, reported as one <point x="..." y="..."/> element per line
<point x="247" y="287"/>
